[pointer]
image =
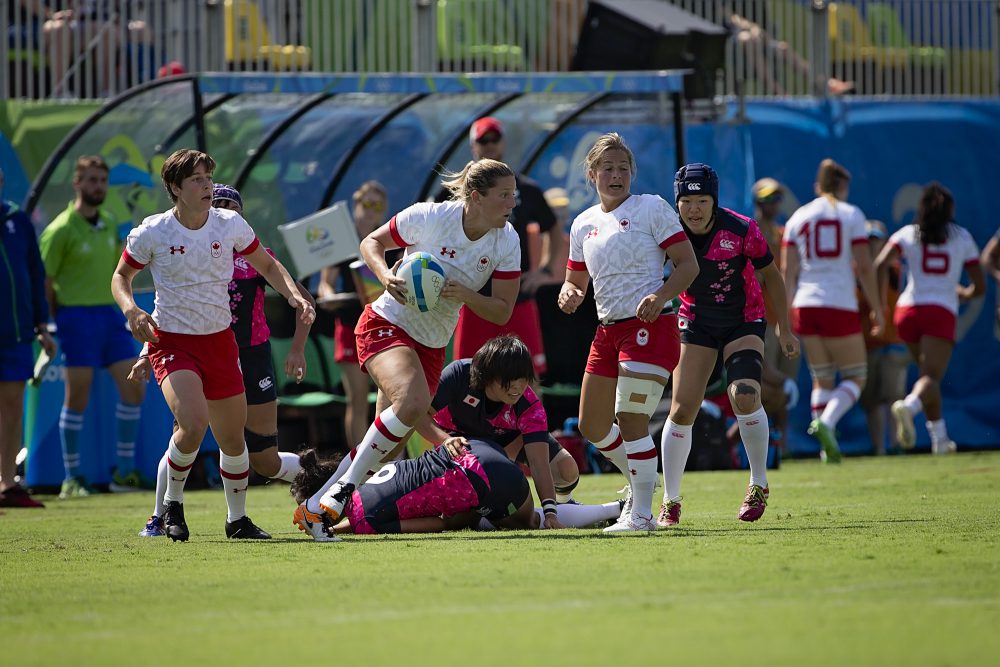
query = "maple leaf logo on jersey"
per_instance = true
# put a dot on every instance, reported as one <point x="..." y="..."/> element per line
<point x="642" y="337"/>
<point x="483" y="264"/>
<point x="470" y="400"/>
<point x="624" y="225"/>
<point x="448" y="252"/>
<point x="176" y="250"/>
<point x="216" y="249"/>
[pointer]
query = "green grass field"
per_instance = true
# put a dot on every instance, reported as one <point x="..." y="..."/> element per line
<point x="889" y="561"/>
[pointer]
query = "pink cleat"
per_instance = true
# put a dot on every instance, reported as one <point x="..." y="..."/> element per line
<point x="754" y="504"/>
<point x="670" y="514"/>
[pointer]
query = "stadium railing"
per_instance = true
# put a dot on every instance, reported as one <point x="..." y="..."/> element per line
<point x="778" y="47"/>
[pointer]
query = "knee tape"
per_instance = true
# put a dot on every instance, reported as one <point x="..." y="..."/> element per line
<point x="858" y="373"/>
<point x="744" y="365"/>
<point x="824" y="372"/>
<point x="637" y="396"/>
<point x="257" y="442"/>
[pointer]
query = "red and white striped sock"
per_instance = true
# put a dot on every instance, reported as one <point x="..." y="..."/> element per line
<point x="641" y="455"/>
<point x="235" y="472"/>
<point x="818" y="400"/>
<point x="381" y="438"/>
<point x="842" y="398"/>
<point x="611" y="446"/>
<point x="178" y="467"/>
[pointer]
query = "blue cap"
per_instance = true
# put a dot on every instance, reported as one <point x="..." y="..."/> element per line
<point x="696" y="179"/>
<point x="227" y="192"/>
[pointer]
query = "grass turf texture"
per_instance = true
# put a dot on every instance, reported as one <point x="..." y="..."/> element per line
<point x="888" y="561"/>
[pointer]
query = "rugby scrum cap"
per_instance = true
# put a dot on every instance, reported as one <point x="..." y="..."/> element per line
<point x="696" y="179"/>
<point x="228" y="193"/>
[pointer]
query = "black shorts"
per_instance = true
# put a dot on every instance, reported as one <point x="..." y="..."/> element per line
<point x="715" y="336"/>
<point x="258" y="374"/>
<point x="508" y="485"/>
<point x="554" y="449"/>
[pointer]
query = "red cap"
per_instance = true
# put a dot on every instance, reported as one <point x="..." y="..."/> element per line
<point x="484" y="126"/>
<point x="172" y="68"/>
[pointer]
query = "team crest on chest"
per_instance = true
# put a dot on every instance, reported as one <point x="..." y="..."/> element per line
<point x="642" y="337"/>
<point x="483" y="264"/>
<point x="624" y="225"/>
<point x="216" y="249"/>
<point x="470" y="400"/>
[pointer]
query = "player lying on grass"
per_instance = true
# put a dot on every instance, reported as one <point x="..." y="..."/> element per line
<point x="438" y="491"/>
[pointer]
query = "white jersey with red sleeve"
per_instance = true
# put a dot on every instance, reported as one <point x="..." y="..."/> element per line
<point x="824" y="232"/>
<point x="437" y="229"/>
<point x="624" y="251"/>
<point x="934" y="271"/>
<point x="191" y="267"/>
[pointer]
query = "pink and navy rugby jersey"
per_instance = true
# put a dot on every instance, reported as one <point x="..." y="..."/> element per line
<point x="470" y="413"/>
<point x="246" y="301"/>
<point x="434" y="484"/>
<point x="726" y="291"/>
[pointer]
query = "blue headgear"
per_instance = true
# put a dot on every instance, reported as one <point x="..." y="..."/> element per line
<point x="696" y="179"/>
<point x="228" y="192"/>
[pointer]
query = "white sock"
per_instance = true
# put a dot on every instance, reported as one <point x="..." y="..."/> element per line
<point x="611" y="446"/>
<point x="484" y="524"/>
<point x="938" y="431"/>
<point x="235" y="472"/>
<point x="179" y="466"/>
<point x="675" y="446"/>
<point x="913" y="404"/>
<point x="381" y="438"/>
<point x="641" y="455"/>
<point x="755" y="434"/>
<point x="161" y="485"/>
<point x="582" y="516"/>
<point x="843" y="397"/>
<point x="290" y="467"/>
<point x="818" y="399"/>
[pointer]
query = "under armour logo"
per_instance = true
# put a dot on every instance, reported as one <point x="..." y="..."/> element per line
<point x="174" y="249"/>
<point x="379" y="449"/>
<point x="591" y="234"/>
<point x="384" y="332"/>
<point x="167" y="359"/>
<point x="633" y="471"/>
<point x="238" y="490"/>
<point x="177" y="479"/>
<point x="448" y="252"/>
<point x="753" y="423"/>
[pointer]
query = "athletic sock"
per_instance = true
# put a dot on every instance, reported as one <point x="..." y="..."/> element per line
<point x="755" y="434"/>
<point x="290" y="467"/>
<point x="611" y="446"/>
<point x="818" y="399"/>
<point x="127" y="418"/>
<point x="641" y="456"/>
<point x="843" y="397"/>
<point x="70" y="426"/>
<point x="382" y="437"/>
<point x="938" y="431"/>
<point x="178" y="467"/>
<point x="913" y="404"/>
<point x="235" y="471"/>
<point x="583" y="516"/>
<point x="675" y="446"/>
<point x="161" y="485"/>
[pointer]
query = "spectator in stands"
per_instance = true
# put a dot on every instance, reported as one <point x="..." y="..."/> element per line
<point x="371" y="201"/>
<point x="824" y="241"/>
<point x="532" y="219"/>
<point x="80" y="248"/>
<point x="887" y="355"/>
<point x="991" y="262"/>
<point x="23" y="318"/>
<point x="927" y="308"/>
<point x="246" y="301"/>
<point x="622" y="244"/>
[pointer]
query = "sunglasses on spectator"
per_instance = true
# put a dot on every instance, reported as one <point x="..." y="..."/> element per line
<point x="489" y="139"/>
<point x="376" y="206"/>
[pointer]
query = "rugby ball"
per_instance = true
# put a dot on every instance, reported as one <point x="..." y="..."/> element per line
<point x="424" y="278"/>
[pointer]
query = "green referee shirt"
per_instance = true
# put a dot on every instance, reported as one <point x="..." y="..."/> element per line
<point x="80" y="258"/>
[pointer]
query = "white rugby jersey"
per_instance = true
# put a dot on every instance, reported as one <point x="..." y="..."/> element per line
<point x="437" y="229"/>
<point x="624" y="251"/>
<point x="934" y="271"/>
<point x="823" y="234"/>
<point x="191" y="267"/>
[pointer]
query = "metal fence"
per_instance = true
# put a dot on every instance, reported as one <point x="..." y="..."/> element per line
<point x="776" y="48"/>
